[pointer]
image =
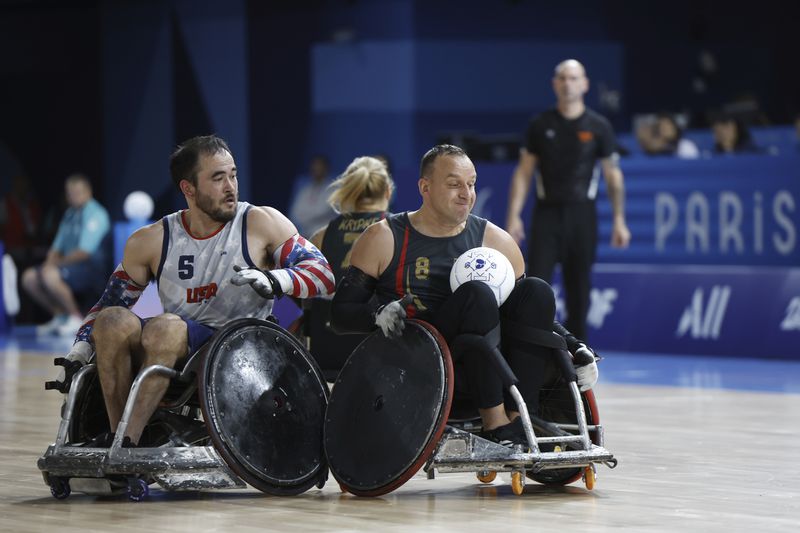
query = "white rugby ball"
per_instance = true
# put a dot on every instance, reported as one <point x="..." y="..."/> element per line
<point x="487" y="265"/>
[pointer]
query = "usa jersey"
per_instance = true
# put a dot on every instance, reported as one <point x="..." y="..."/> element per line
<point x="194" y="273"/>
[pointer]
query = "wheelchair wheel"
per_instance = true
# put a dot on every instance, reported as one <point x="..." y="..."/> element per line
<point x="263" y="400"/>
<point x="388" y="409"/>
<point x="137" y="489"/>
<point x="59" y="487"/>
<point x="556" y="405"/>
<point x="517" y="483"/>
<point x="486" y="476"/>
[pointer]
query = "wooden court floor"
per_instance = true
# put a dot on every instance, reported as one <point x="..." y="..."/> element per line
<point x="692" y="458"/>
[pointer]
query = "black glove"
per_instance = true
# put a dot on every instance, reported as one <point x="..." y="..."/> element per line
<point x="78" y="356"/>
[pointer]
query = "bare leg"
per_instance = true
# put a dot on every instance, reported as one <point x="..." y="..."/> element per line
<point x="494" y="417"/>
<point x="117" y="338"/>
<point x="165" y="342"/>
<point x="59" y="290"/>
<point x="32" y="285"/>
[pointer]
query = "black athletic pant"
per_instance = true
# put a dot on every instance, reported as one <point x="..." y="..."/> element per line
<point x="473" y="309"/>
<point x="566" y="234"/>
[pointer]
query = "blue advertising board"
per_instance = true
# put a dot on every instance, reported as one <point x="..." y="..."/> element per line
<point x="700" y="309"/>
<point x="740" y="210"/>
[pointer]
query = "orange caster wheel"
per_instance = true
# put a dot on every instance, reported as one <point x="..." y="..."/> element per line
<point x="486" y="476"/>
<point x="517" y="482"/>
<point x="589" y="477"/>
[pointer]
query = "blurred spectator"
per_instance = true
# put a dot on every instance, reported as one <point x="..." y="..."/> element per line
<point x="309" y="209"/>
<point x="75" y="263"/>
<point x="731" y="135"/>
<point x="20" y="216"/>
<point x="661" y="135"/>
<point x="20" y="223"/>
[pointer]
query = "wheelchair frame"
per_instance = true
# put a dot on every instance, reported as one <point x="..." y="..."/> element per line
<point x="198" y="457"/>
<point x="106" y="471"/>
<point x="462" y="451"/>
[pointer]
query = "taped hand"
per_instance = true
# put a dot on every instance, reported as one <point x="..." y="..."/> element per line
<point x="390" y="316"/>
<point x="585" y="367"/>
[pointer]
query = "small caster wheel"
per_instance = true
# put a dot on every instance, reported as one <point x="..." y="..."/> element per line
<point x="343" y="489"/>
<point x="59" y="488"/>
<point x="137" y="489"/>
<point x="517" y="482"/>
<point x="589" y="477"/>
<point x="486" y="476"/>
<point x="321" y="482"/>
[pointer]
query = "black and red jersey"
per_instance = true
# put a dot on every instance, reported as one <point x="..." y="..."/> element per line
<point x="421" y="264"/>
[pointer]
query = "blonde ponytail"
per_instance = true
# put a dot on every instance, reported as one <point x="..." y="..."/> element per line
<point x="365" y="179"/>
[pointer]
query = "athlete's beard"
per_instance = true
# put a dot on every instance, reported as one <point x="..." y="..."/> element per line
<point x="217" y="213"/>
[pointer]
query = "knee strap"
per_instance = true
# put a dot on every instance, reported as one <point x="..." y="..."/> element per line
<point x="473" y="341"/>
<point x="519" y="334"/>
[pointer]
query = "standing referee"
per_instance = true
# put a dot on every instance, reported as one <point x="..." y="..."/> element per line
<point x="566" y="142"/>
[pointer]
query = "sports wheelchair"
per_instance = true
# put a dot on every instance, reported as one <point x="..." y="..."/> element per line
<point x="246" y="408"/>
<point x="389" y="415"/>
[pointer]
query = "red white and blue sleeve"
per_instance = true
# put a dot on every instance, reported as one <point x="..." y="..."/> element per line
<point x="304" y="272"/>
<point x="121" y="291"/>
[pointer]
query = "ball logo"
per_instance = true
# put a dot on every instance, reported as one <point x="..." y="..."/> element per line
<point x="480" y="269"/>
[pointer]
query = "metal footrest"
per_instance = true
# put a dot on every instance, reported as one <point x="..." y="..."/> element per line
<point x="460" y="451"/>
<point x="179" y="468"/>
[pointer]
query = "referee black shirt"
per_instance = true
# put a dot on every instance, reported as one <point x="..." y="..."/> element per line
<point x="567" y="150"/>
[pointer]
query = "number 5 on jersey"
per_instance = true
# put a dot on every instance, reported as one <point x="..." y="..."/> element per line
<point x="186" y="267"/>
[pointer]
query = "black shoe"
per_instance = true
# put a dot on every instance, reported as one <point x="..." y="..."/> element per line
<point x="508" y="435"/>
<point x="103" y="440"/>
<point x="127" y="443"/>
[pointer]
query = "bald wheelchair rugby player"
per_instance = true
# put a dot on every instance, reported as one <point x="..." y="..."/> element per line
<point x="405" y="262"/>
<point x="218" y="260"/>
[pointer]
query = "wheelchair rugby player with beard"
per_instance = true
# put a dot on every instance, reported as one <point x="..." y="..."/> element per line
<point x="526" y="377"/>
<point x="246" y="381"/>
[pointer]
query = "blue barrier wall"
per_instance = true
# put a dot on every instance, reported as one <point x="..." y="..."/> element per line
<point x="696" y="309"/>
